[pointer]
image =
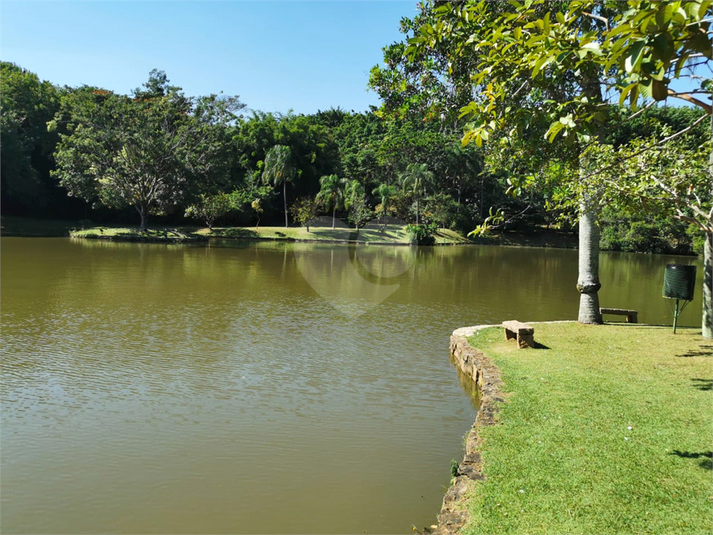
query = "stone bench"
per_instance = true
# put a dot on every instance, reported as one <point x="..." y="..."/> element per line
<point x="522" y="332"/>
<point x="632" y="316"/>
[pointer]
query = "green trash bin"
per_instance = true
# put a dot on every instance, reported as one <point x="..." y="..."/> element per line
<point x="679" y="281"/>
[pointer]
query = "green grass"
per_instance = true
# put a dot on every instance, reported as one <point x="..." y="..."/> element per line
<point x="609" y="429"/>
<point x="134" y="234"/>
<point x="395" y="234"/>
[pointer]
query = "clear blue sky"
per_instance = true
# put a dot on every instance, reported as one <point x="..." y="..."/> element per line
<point x="276" y="55"/>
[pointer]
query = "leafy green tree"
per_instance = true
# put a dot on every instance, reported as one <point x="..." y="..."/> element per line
<point x="331" y="193"/>
<point x="304" y="210"/>
<point x="386" y="193"/>
<point x="26" y="106"/>
<point x="415" y="178"/>
<point x="356" y="204"/>
<point x="536" y="68"/>
<point x="211" y="207"/>
<point x="150" y="152"/>
<point x="256" y="205"/>
<point x="279" y="170"/>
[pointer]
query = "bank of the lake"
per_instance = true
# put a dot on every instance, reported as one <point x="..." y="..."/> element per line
<point x="392" y="234"/>
<point x="387" y="235"/>
<point x="603" y="429"/>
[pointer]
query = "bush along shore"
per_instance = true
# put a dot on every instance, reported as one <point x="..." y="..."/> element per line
<point x="601" y="429"/>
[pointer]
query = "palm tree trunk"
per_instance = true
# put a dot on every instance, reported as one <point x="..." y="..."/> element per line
<point x="418" y="210"/>
<point x="334" y="214"/>
<point x="588" y="281"/>
<point x="284" y="197"/>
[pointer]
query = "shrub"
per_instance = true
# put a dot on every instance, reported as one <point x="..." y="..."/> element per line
<point x="422" y="234"/>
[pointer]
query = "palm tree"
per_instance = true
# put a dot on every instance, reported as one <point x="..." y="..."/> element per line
<point x="279" y="170"/>
<point x="415" y="178"/>
<point x="331" y="193"/>
<point x="386" y="193"/>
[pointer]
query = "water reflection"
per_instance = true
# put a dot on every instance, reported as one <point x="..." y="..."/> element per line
<point x="174" y="388"/>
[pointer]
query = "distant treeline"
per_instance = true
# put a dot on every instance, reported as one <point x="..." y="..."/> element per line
<point x="87" y="153"/>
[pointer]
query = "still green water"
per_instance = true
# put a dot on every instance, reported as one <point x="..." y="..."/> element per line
<point x="257" y="388"/>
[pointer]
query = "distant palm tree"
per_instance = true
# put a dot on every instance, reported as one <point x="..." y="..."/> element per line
<point x="386" y="192"/>
<point x="279" y="170"/>
<point x="415" y="179"/>
<point x="331" y="193"/>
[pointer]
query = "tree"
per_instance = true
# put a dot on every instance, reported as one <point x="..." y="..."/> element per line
<point x="331" y="193"/>
<point x="415" y="179"/>
<point x="304" y="210"/>
<point x="149" y="152"/>
<point x="279" y="170"/>
<point x="356" y="203"/>
<point x="256" y="205"/>
<point x="635" y="48"/>
<point x="211" y="207"/>
<point x="27" y="105"/>
<point x="386" y="193"/>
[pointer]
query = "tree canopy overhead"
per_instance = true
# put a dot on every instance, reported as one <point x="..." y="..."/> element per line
<point x="540" y="75"/>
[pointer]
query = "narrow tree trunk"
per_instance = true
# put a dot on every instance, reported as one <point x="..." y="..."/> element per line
<point x="143" y="213"/>
<point x="284" y="197"/>
<point x="334" y="215"/>
<point x="707" y="320"/>
<point x="418" y="210"/>
<point x="707" y="317"/>
<point x="588" y="282"/>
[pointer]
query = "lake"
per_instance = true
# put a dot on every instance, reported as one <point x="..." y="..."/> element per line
<point x="258" y="387"/>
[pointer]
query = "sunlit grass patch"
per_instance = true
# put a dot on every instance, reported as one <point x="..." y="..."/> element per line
<point x="135" y="234"/>
<point x="608" y="430"/>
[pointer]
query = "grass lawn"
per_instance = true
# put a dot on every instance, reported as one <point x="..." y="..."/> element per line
<point x="608" y="429"/>
<point x="134" y="234"/>
<point x="396" y="234"/>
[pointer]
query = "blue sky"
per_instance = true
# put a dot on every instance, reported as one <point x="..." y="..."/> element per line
<point x="277" y="55"/>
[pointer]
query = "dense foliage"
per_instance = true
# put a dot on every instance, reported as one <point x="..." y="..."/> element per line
<point x="160" y="152"/>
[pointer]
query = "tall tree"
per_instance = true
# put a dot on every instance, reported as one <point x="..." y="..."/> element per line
<point x="26" y="105"/>
<point x="279" y="170"/>
<point x="331" y="193"/>
<point x="147" y="152"/>
<point x="386" y="192"/>
<point x="415" y="178"/>
<point x="538" y="66"/>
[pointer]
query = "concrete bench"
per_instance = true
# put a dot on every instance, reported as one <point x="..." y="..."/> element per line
<point x="632" y="316"/>
<point x="522" y="332"/>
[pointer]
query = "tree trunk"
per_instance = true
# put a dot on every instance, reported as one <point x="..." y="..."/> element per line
<point x="707" y="320"/>
<point x="418" y="210"/>
<point x="143" y="212"/>
<point x="334" y="214"/>
<point x="284" y="197"/>
<point x="588" y="282"/>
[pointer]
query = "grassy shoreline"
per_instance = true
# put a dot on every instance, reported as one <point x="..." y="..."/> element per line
<point x="392" y="235"/>
<point x="606" y="430"/>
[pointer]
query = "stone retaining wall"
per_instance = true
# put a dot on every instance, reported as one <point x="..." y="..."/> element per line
<point x="479" y="368"/>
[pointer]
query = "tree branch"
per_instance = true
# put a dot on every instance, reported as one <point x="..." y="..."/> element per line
<point x="688" y="98"/>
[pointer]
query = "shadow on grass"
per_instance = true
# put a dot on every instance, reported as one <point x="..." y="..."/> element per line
<point x="704" y="351"/>
<point x="702" y="384"/>
<point x="707" y="456"/>
<point x="538" y="345"/>
<point x="234" y="233"/>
